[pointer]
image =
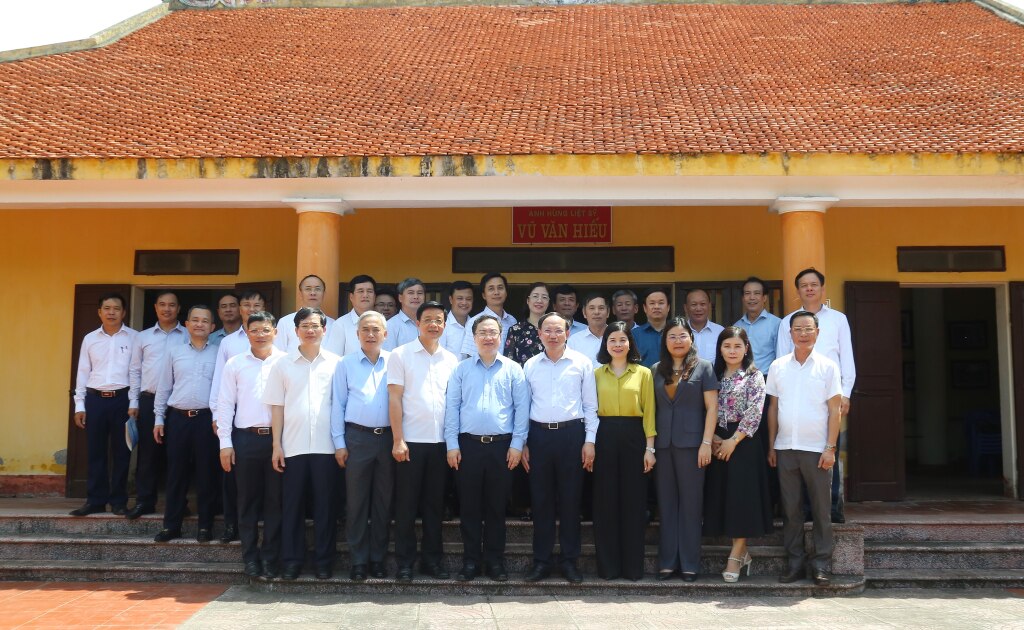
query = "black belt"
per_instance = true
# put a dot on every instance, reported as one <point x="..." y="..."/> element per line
<point x="191" y="413"/>
<point x="112" y="393"/>
<point x="147" y="395"/>
<point x="256" y="430"/>
<point x="366" y="429"/>
<point x="557" y="425"/>
<point x="487" y="439"/>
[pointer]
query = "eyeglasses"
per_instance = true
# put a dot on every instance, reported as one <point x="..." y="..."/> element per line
<point x="682" y="337"/>
<point x="804" y="331"/>
<point x="538" y="296"/>
<point x="261" y="331"/>
<point x="434" y="322"/>
<point x="487" y="334"/>
<point x="553" y="332"/>
<point x="310" y="326"/>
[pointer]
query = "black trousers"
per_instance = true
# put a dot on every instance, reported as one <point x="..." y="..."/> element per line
<point x="189" y="449"/>
<point x="318" y="471"/>
<point x="420" y="483"/>
<point x="556" y="489"/>
<point x="228" y="493"/>
<point x="150" y="457"/>
<point x="370" y="477"/>
<point x="104" y="435"/>
<point x="620" y="498"/>
<point x="259" y="493"/>
<point x="484" y="483"/>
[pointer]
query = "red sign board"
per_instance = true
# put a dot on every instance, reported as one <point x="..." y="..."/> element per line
<point x="562" y="224"/>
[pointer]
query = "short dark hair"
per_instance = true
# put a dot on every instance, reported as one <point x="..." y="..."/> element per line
<point x="733" y="332"/>
<point x="756" y="280"/>
<point x="660" y="290"/>
<point x="821" y="276"/>
<point x="803" y="314"/>
<point x="163" y="293"/>
<point x="388" y="291"/>
<point x="491" y="276"/>
<point x="547" y="316"/>
<point x="427" y="306"/>
<point x="313" y="275"/>
<point x="603" y="356"/>
<point x="410" y="282"/>
<point x="252" y="294"/>
<point x="458" y="285"/>
<point x="112" y="296"/>
<point x="590" y="297"/>
<point x="260" y="316"/>
<point x="230" y="294"/>
<point x="200" y="307"/>
<point x="486" y="318"/>
<point x="562" y="289"/>
<point x="361" y="279"/>
<point x="695" y="290"/>
<point x="305" y="313"/>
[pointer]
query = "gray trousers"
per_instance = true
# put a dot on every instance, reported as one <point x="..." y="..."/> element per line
<point x="680" y="484"/>
<point x="794" y="467"/>
<point x="369" y="483"/>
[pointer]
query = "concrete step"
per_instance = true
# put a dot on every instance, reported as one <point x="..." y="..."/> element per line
<point x="944" y="578"/>
<point x="947" y="555"/>
<point x="999" y="528"/>
<point x="81" y="570"/>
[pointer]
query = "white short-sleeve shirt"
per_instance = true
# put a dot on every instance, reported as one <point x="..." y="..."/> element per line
<point x="803" y="392"/>
<point x="424" y="377"/>
<point x="303" y="388"/>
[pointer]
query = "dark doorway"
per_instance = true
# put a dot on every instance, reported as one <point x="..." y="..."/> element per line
<point x="952" y="415"/>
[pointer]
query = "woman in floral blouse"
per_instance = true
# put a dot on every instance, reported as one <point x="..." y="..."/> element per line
<point x="523" y="341"/>
<point x="736" y="496"/>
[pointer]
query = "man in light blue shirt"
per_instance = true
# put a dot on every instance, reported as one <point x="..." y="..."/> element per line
<point x="487" y="416"/>
<point x="762" y="327"/>
<point x="360" y="422"/>
<point x="402" y="327"/>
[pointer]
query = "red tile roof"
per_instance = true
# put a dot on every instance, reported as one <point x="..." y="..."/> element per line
<point x="876" y="78"/>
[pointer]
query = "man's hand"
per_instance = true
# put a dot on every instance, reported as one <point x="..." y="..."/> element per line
<point x="454" y="458"/>
<point x="277" y="459"/>
<point x="513" y="458"/>
<point x="80" y="419"/>
<point x="401" y="452"/>
<point x="526" y="458"/>
<point x="158" y="434"/>
<point x="827" y="459"/>
<point x="341" y="455"/>
<point x="588" y="456"/>
<point x="844" y="406"/>
<point x="771" y="458"/>
<point x="133" y="412"/>
<point x="227" y="459"/>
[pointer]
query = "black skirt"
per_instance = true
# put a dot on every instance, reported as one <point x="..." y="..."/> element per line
<point x="737" y="503"/>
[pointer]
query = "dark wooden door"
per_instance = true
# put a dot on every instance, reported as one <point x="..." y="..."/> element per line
<point x="875" y="425"/>
<point x="271" y="290"/>
<point x="1017" y="345"/>
<point x="84" y="321"/>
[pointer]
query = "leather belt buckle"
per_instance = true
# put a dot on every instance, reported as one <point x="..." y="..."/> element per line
<point x="191" y="413"/>
<point x="262" y="430"/>
<point x="110" y="394"/>
<point x="553" y="425"/>
<point x="486" y="439"/>
<point x="378" y="430"/>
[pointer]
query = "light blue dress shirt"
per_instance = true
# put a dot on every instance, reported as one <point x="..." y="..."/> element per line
<point x="360" y="394"/>
<point x="763" y="334"/>
<point x="401" y="330"/>
<point x="484" y="400"/>
<point x="186" y="379"/>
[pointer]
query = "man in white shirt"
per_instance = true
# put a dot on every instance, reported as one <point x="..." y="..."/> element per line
<point x="101" y="407"/>
<point x="247" y="445"/>
<point x="494" y="289"/>
<point x="705" y="332"/>
<point x="418" y="374"/>
<point x="387" y="302"/>
<point x="148" y="357"/>
<point x="460" y="303"/>
<point x="588" y="342"/>
<point x="402" y="327"/>
<point x="312" y="291"/>
<point x="803" y="426"/>
<point x="230" y="319"/>
<point x="182" y="404"/>
<point x="298" y="391"/>
<point x="563" y="429"/>
<point x="362" y="291"/>
<point x="834" y="342"/>
<point x="565" y="303"/>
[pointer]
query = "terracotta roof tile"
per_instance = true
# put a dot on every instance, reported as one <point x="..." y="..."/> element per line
<point x="876" y="78"/>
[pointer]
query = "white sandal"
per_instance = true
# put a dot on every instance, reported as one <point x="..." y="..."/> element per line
<point x="745" y="562"/>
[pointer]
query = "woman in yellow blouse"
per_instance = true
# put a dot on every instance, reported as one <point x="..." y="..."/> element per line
<point x="624" y="454"/>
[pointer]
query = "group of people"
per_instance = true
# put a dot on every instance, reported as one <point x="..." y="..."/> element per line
<point x="400" y="404"/>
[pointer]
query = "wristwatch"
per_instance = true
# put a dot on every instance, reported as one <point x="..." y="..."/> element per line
<point x="830" y="447"/>
<point x="650" y="449"/>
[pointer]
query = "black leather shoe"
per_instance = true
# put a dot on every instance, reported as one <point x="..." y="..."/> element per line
<point x="467" y="573"/>
<point x="838" y="518"/>
<point x="204" y="535"/>
<point x="166" y="535"/>
<point x="538" y="572"/>
<point x="324" y="573"/>
<point x="821" y="577"/>
<point x="435" y="570"/>
<point x="357" y="573"/>
<point x="139" y="510"/>
<point x="291" y="572"/>
<point x="230" y="533"/>
<point x="689" y="577"/>
<point x="270" y="572"/>
<point x="378" y="570"/>
<point x="87" y="509"/>
<point x="253" y="569"/>
<point x="571" y="574"/>
<point x="497" y="572"/>
<point x="792" y="576"/>
<point x="119" y="510"/>
<point x="404" y="575"/>
<point x="665" y="575"/>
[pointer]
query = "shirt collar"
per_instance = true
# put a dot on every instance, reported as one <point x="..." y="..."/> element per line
<point x="762" y="315"/>
<point x="497" y="361"/>
<point x="274" y="351"/>
<point x="380" y="357"/>
<point x="607" y="367"/>
<point x="451" y="320"/>
<point x="487" y="311"/>
<point x="177" y="328"/>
